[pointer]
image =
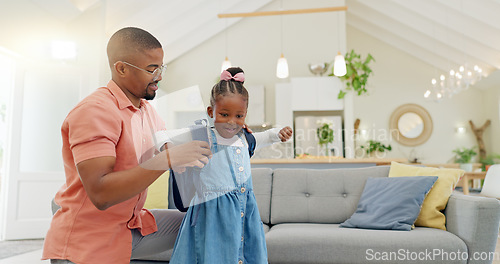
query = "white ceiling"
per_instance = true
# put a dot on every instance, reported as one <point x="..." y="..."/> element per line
<point x="442" y="33"/>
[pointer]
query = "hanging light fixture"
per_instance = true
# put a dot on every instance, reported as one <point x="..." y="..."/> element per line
<point x="471" y="75"/>
<point x="339" y="67"/>
<point x="282" y="66"/>
<point x="226" y="63"/>
<point x="457" y="81"/>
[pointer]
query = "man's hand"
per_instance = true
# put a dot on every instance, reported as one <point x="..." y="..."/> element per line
<point x="193" y="154"/>
<point x="285" y="133"/>
<point x="106" y="187"/>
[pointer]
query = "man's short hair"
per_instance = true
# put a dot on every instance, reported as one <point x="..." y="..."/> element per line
<point x="130" y="41"/>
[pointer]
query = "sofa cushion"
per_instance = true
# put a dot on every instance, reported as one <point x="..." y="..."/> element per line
<point x="163" y="256"/>
<point x="431" y="213"/>
<point x="266" y="228"/>
<point x="327" y="243"/>
<point x="262" y="179"/>
<point x="390" y="203"/>
<point x="158" y="193"/>
<point x="318" y="196"/>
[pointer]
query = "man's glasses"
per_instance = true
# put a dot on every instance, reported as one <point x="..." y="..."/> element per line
<point x="156" y="73"/>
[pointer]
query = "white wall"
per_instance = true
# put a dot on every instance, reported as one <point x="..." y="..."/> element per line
<point x="254" y="45"/>
<point x="44" y="91"/>
<point x="400" y="79"/>
<point x="28" y="31"/>
<point x="491" y="106"/>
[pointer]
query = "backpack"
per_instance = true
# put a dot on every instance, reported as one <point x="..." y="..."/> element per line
<point x="199" y="132"/>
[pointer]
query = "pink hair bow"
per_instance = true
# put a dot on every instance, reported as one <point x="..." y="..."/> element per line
<point x="226" y="76"/>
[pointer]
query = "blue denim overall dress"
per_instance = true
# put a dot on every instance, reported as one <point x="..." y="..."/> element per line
<point x="222" y="224"/>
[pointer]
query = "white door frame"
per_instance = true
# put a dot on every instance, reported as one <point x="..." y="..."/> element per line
<point x="27" y="194"/>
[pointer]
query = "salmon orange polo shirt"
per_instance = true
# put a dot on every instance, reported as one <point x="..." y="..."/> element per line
<point x="103" y="124"/>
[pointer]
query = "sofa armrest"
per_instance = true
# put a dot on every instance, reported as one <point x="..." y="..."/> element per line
<point x="475" y="220"/>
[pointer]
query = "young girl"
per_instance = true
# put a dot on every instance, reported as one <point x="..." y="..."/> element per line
<point x="222" y="224"/>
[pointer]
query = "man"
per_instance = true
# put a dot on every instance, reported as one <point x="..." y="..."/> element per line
<point x="108" y="150"/>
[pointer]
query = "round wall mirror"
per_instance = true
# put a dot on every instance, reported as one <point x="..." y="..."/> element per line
<point x="410" y="125"/>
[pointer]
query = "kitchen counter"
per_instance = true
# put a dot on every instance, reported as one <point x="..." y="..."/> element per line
<point x="322" y="162"/>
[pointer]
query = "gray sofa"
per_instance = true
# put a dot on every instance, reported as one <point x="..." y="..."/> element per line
<point x="302" y="208"/>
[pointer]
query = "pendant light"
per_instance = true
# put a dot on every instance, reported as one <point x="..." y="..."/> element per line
<point x="339" y="67"/>
<point x="282" y="66"/>
<point x="226" y="63"/>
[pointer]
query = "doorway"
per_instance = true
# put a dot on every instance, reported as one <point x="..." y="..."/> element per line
<point x="7" y="71"/>
<point x="41" y="94"/>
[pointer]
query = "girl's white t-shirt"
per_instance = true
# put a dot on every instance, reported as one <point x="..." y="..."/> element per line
<point x="183" y="135"/>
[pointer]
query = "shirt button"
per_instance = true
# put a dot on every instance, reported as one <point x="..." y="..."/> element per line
<point x="241" y="168"/>
<point x="344" y="195"/>
<point x="243" y="189"/>
<point x="307" y="194"/>
<point x="238" y="151"/>
<point x="144" y="140"/>
<point x="242" y="214"/>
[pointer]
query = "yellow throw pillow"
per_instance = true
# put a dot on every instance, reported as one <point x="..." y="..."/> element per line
<point x="437" y="198"/>
<point x="158" y="193"/>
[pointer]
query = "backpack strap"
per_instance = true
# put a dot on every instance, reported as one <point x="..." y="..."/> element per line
<point x="176" y="195"/>
<point x="251" y="142"/>
<point x="199" y="132"/>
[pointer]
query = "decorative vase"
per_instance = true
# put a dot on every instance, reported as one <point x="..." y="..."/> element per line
<point x="466" y="167"/>
<point x="327" y="151"/>
<point x="319" y="68"/>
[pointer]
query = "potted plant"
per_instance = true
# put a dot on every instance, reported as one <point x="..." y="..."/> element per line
<point x="490" y="160"/>
<point x="464" y="157"/>
<point x="325" y="135"/>
<point x="357" y="74"/>
<point x="375" y="147"/>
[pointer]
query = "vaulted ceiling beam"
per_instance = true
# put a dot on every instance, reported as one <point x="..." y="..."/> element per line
<point x="485" y="11"/>
<point x="418" y="29"/>
<point x="469" y="29"/>
<point x="357" y="21"/>
<point x="285" y="12"/>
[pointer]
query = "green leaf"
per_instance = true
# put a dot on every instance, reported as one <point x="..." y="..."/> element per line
<point x="356" y="84"/>
<point x="368" y="58"/>
<point x="358" y="71"/>
<point x="341" y="94"/>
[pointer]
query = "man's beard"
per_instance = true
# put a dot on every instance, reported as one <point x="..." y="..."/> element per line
<point x="149" y="96"/>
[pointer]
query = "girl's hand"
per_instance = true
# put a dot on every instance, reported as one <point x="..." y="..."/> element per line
<point x="245" y="126"/>
<point x="285" y="133"/>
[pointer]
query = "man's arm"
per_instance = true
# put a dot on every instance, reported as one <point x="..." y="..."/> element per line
<point x="106" y="187"/>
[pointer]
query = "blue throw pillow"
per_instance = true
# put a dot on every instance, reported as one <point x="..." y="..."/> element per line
<point x="390" y="203"/>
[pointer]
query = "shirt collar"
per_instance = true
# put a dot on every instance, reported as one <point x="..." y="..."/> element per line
<point x="121" y="97"/>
